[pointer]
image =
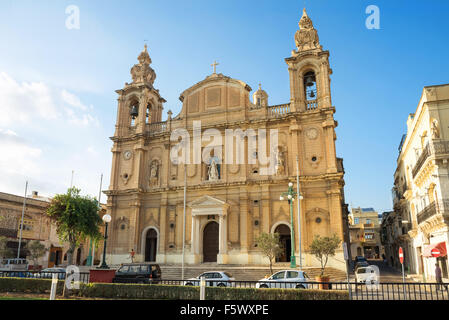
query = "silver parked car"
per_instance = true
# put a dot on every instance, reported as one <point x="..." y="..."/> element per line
<point x="212" y="278"/>
<point x="48" y="273"/>
<point x="285" y="279"/>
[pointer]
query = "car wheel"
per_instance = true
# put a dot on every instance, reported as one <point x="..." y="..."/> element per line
<point x="221" y="285"/>
<point x="263" y="286"/>
<point x="300" y="286"/>
<point x="189" y="284"/>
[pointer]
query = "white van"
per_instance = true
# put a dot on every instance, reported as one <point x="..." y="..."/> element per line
<point x="14" y="265"/>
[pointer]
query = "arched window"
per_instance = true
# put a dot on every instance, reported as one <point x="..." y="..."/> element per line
<point x="310" y="86"/>
<point x="148" y="114"/>
<point x="133" y="112"/>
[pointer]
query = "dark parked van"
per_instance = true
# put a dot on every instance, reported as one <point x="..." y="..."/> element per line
<point x="149" y="273"/>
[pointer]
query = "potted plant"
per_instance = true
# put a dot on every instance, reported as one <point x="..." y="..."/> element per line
<point x="323" y="248"/>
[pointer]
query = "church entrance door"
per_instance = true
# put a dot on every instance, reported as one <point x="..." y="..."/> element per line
<point x="151" y="245"/>
<point x="285" y="240"/>
<point x="210" y="242"/>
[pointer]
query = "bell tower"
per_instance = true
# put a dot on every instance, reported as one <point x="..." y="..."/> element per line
<point x="309" y="70"/>
<point x="139" y="107"/>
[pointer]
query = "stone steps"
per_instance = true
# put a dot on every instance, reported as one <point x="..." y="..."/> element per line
<point x="241" y="273"/>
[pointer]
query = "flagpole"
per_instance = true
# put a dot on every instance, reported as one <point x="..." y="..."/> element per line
<point x="21" y="224"/>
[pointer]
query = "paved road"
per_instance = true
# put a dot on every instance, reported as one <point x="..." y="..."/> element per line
<point x="387" y="273"/>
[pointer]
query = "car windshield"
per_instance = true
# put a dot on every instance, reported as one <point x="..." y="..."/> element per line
<point x="361" y="270"/>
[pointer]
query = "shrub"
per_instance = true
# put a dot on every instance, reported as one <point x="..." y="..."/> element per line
<point x="169" y="292"/>
<point x="29" y="285"/>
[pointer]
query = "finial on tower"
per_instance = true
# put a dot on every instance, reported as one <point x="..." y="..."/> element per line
<point x="306" y="37"/>
<point x="142" y="72"/>
<point x="304" y="12"/>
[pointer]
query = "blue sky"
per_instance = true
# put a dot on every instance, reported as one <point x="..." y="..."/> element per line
<point x="57" y="86"/>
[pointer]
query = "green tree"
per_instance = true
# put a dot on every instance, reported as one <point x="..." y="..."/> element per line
<point x="37" y="250"/>
<point x="270" y="245"/>
<point x="5" y="252"/>
<point x="323" y="248"/>
<point x="76" y="218"/>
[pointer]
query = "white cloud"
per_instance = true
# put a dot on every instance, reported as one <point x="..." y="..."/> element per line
<point x="26" y="103"/>
<point x="22" y="102"/>
<point x="72" y="100"/>
<point x="18" y="157"/>
<point x="43" y="135"/>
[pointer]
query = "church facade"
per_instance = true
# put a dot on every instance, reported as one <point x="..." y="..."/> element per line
<point x="229" y="203"/>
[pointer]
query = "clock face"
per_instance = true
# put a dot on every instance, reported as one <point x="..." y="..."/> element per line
<point x="127" y="155"/>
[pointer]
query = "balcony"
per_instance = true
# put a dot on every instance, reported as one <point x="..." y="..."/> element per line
<point x="311" y="105"/>
<point x="436" y="148"/>
<point x="157" y="127"/>
<point x="279" y="110"/>
<point x="438" y="207"/>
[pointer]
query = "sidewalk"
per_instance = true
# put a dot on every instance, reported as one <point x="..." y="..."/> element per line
<point x="419" y="278"/>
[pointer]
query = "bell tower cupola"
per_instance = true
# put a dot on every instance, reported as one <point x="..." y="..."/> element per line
<point x="260" y="97"/>
<point x="140" y="104"/>
<point x="309" y="70"/>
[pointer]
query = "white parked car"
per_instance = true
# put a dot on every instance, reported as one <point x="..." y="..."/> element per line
<point x="285" y="279"/>
<point x="366" y="275"/>
<point x="212" y="278"/>
<point x="13" y="265"/>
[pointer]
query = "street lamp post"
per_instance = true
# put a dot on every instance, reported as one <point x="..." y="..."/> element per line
<point x="291" y="194"/>
<point x="106" y="219"/>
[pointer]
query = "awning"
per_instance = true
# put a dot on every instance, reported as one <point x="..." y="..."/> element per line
<point x="435" y="250"/>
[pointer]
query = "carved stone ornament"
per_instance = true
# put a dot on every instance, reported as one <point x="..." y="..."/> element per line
<point x="435" y="129"/>
<point x="312" y="133"/>
<point x="142" y="72"/>
<point x="306" y="37"/>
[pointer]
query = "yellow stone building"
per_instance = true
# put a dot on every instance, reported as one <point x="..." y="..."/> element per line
<point x="228" y="203"/>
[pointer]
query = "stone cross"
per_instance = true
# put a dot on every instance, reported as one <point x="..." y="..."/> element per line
<point x="215" y="64"/>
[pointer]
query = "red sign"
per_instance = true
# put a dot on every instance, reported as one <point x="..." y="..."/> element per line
<point x="435" y="252"/>
<point x="401" y="255"/>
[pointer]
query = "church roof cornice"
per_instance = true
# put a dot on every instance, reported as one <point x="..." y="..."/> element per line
<point x="213" y="78"/>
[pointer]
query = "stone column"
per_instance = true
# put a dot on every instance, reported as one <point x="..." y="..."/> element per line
<point x="328" y="127"/>
<point x="244" y="227"/>
<point x="222" y="240"/>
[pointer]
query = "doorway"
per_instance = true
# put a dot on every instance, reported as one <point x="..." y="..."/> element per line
<point x="210" y="242"/>
<point x="285" y="241"/>
<point x="151" y="245"/>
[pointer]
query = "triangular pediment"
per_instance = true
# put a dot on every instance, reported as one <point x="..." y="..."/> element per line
<point x="206" y="201"/>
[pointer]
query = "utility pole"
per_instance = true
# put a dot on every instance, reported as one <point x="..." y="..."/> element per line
<point x="21" y="224"/>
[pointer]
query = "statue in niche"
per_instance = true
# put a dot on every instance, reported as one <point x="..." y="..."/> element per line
<point x="213" y="170"/>
<point x="154" y="173"/>
<point x="279" y="162"/>
<point x="435" y="130"/>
